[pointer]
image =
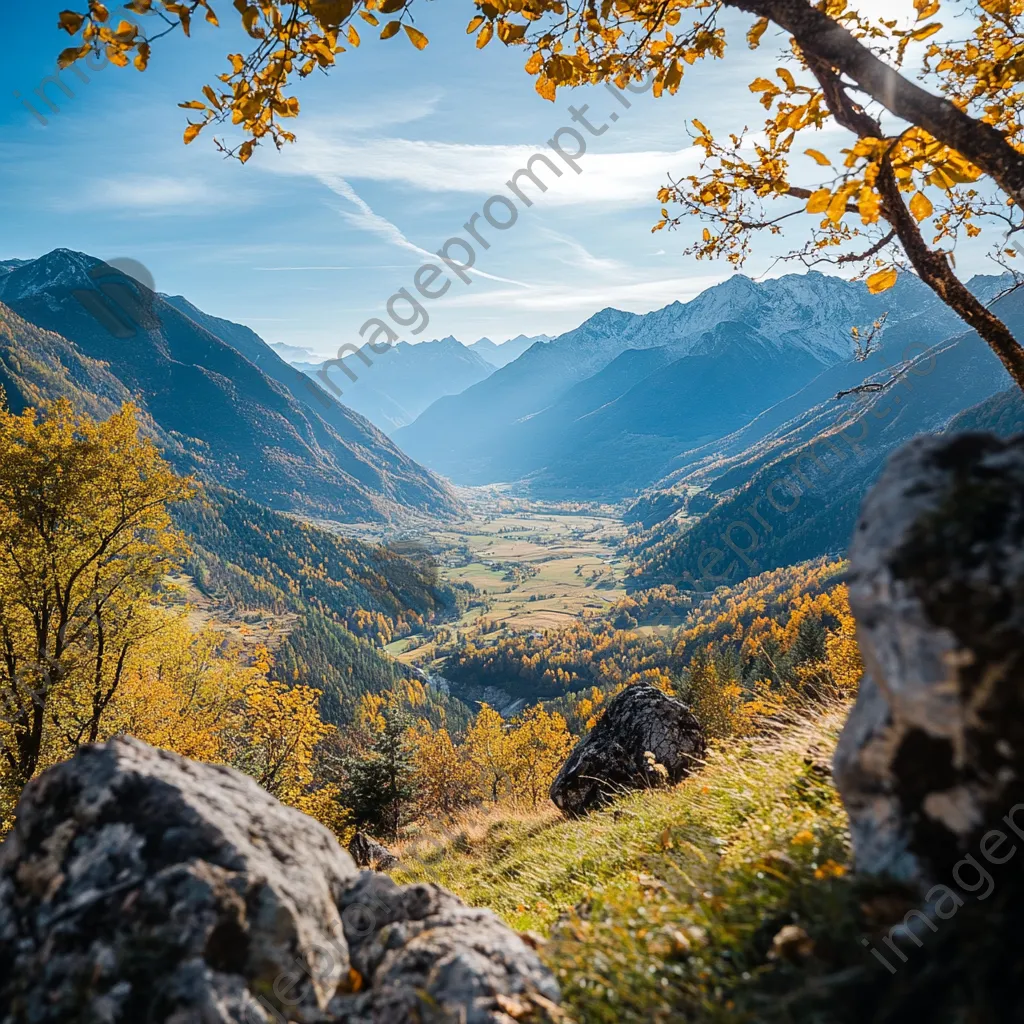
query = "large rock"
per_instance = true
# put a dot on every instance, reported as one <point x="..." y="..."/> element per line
<point x="368" y="853"/>
<point x="644" y="739"/>
<point x="139" y="887"/>
<point x="932" y="755"/>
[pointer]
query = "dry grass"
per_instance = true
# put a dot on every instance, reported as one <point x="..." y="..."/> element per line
<point x="659" y="903"/>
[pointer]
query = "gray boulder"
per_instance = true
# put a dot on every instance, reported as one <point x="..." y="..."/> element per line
<point x="139" y="887"/>
<point x="368" y="853"/>
<point x="932" y="756"/>
<point x="644" y="739"/>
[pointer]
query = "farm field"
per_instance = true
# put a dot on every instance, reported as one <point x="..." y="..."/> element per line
<point x="533" y="566"/>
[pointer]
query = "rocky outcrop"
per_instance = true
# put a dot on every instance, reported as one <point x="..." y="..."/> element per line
<point x="932" y="756"/>
<point x="368" y="853"/>
<point x="139" y="887"/>
<point x="644" y="739"/>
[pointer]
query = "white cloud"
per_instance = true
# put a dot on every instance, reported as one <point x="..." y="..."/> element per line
<point x="639" y="296"/>
<point x="579" y="256"/>
<point x="628" y="178"/>
<point x="156" y="194"/>
<point x="364" y="218"/>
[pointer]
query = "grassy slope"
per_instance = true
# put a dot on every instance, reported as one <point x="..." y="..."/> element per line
<point x="664" y="906"/>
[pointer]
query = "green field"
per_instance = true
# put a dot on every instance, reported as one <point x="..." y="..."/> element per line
<point x="533" y="566"/>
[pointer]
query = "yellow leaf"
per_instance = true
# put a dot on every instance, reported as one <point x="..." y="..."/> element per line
<point x="763" y="85"/>
<point x="191" y="132"/>
<point x="756" y="31"/>
<point x="546" y="88"/>
<point x="784" y="74"/>
<point x="837" y="204"/>
<point x="390" y="29"/>
<point x="475" y="24"/>
<point x="819" y="158"/>
<point x="485" y="36"/>
<point x="535" y="63"/>
<point x="925" y="31"/>
<point x="70" y="22"/>
<point x="818" y="201"/>
<point x="416" y="37"/>
<point x="882" y="280"/>
<point x="920" y="206"/>
<point x="68" y="57"/>
<point x="869" y="204"/>
<point x="353" y="35"/>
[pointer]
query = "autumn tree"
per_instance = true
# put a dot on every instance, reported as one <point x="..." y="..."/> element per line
<point x="181" y="691"/>
<point x="85" y="537"/>
<point x="446" y="781"/>
<point x="929" y="161"/>
<point x="536" y="748"/>
<point x="198" y="695"/>
<point x="487" y="749"/>
<point x="275" y="731"/>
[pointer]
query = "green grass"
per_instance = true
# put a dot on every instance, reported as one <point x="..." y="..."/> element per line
<point x="664" y="906"/>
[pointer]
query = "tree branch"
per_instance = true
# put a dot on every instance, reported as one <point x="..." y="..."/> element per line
<point x="821" y="37"/>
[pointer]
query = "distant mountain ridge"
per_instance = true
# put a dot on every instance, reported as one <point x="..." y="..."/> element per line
<point x="826" y="454"/>
<point x="392" y="388"/>
<point x="222" y="402"/>
<point x="500" y="354"/>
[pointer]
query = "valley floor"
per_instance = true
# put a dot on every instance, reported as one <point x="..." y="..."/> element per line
<point x="533" y="565"/>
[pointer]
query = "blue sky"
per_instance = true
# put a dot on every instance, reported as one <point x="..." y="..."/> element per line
<point x="396" y="149"/>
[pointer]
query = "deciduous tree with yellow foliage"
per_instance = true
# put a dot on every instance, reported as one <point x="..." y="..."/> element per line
<point x="89" y="647"/>
<point x="933" y="111"/>
<point x="85" y="536"/>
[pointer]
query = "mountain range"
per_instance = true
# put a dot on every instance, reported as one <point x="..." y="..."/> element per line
<point x="605" y="410"/>
<point x="264" y="442"/>
<point x="698" y="407"/>
<point x="223" y="404"/>
<point x="501" y="353"/>
<point x="392" y="388"/>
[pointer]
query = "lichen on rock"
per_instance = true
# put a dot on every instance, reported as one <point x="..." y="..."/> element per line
<point x="139" y="887"/>
<point x="933" y="752"/>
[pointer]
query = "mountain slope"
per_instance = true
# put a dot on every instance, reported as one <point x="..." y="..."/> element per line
<point x="804" y="318"/>
<point x="399" y="384"/>
<point x="796" y="494"/>
<point x="728" y="377"/>
<point x="345" y="597"/>
<point x="339" y="598"/>
<point x="1002" y="414"/>
<point x="238" y="416"/>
